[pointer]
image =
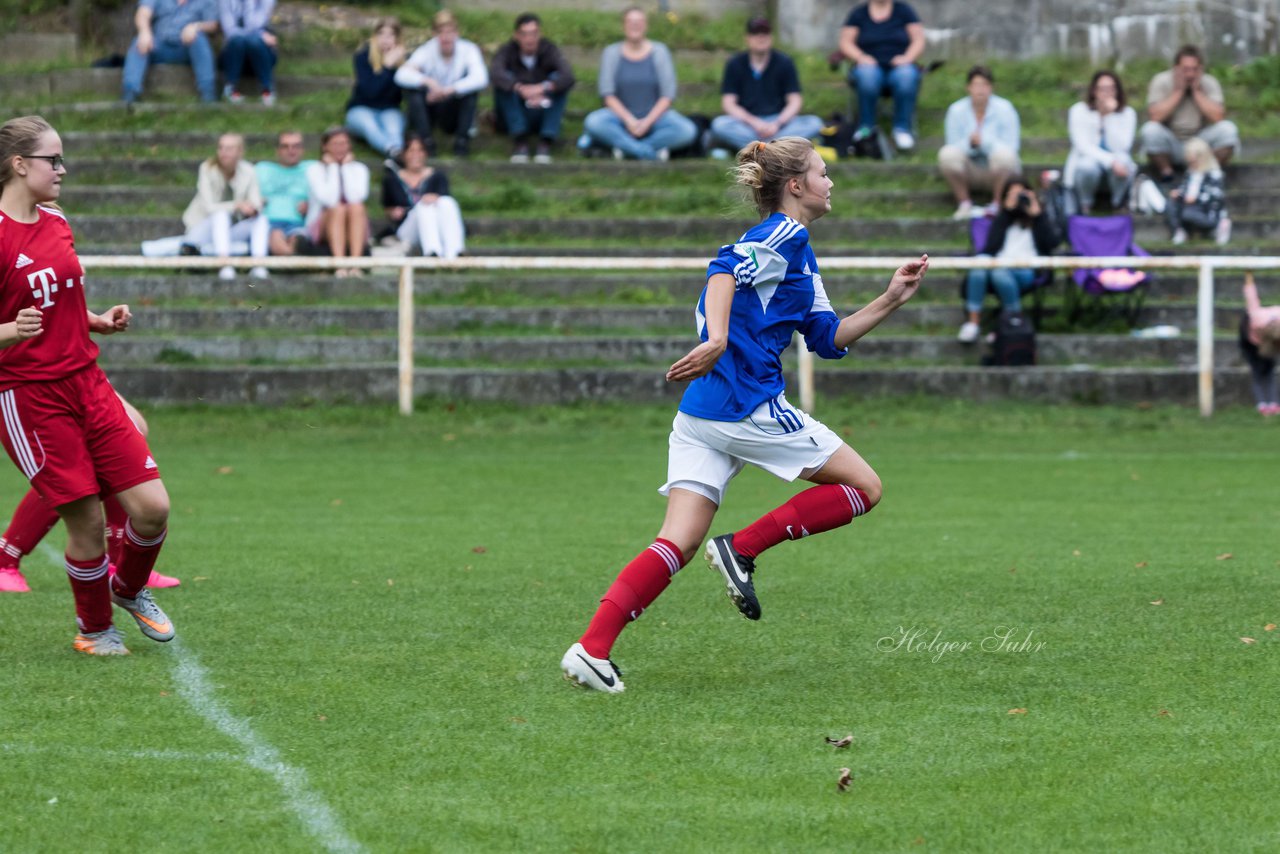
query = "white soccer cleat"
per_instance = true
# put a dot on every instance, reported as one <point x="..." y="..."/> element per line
<point x="588" y="671"/>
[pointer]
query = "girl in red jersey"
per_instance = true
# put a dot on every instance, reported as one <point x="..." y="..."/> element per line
<point x="62" y="423"/>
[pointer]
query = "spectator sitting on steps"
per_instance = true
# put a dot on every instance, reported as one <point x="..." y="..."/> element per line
<point x="1183" y="102"/>
<point x="444" y="78"/>
<point x="283" y="184"/>
<point x="531" y="83"/>
<point x="172" y="32"/>
<point x="227" y="207"/>
<point x="760" y="94"/>
<point x="247" y="37"/>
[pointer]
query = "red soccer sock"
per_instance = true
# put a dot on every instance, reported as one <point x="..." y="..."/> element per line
<point x="93" y="597"/>
<point x="817" y="509"/>
<point x="116" y="520"/>
<point x="635" y="588"/>
<point x="33" y="518"/>
<point x="137" y="557"/>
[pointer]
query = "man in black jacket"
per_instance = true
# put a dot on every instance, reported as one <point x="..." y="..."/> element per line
<point x="531" y="83"/>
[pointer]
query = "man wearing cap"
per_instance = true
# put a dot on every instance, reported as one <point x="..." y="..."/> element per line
<point x="760" y="94"/>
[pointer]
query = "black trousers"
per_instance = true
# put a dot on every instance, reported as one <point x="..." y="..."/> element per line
<point x="452" y="115"/>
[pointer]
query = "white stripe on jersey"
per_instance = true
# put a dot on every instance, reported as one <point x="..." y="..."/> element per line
<point x="668" y="557"/>
<point x="782" y="232"/>
<point x="17" y="437"/>
<point x="53" y="211"/>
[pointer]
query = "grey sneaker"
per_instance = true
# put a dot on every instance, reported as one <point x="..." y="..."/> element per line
<point x="106" y="642"/>
<point x="147" y="614"/>
<point x="737" y="571"/>
<point x="588" y="671"/>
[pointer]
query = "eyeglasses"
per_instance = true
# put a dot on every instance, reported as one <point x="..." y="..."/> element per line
<point x="55" y="160"/>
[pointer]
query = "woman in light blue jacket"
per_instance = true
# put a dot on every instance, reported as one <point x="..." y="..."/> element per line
<point x="638" y="86"/>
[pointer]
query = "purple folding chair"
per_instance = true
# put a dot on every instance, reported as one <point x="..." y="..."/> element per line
<point x="1124" y="288"/>
<point x="979" y="228"/>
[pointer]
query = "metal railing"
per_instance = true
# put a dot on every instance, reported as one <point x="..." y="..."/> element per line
<point x="1205" y="265"/>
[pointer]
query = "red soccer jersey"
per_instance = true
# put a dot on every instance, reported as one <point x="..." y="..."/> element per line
<point x="39" y="268"/>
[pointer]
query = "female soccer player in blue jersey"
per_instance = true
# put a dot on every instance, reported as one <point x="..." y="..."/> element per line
<point x="759" y="291"/>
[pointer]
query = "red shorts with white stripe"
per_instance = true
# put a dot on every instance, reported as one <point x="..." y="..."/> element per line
<point x="72" y="438"/>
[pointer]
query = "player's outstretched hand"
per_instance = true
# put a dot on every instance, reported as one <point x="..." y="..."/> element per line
<point x="697" y="362"/>
<point x="30" y="323"/>
<point x="906" y="280"/>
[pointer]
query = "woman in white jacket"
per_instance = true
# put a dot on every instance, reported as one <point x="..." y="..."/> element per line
<point x="226" y="207"/>
<point x="1101" y="128"/>
<point x="338" y="187"/>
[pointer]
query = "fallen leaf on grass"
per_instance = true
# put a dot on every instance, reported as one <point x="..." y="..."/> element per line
<point x="1248" y="640"/>
<point x="1224" y="556"/>
<point x="1159" y="601"/>
<point x="225" y="469"/>
<point x="479" y="550"/>
<point x="846" y="778"/>
<point x="390" y="583"/>
<point x="841" y="742"/>
<point x="201" y="578"/>
<point x="1142" y="564"/>
<point x="1164" y="713"/>
<point x="448" y="437"/>
<point x="1017" y="711"/>
<point x="322" y="718"/>
<point x="519" y="720"/>
<point x="337" y="502"/>
<point x="1075" y="553"/>
<point x="1269" y="627"/>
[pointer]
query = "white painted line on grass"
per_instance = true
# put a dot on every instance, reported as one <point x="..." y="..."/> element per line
<point x="195" y="688"/>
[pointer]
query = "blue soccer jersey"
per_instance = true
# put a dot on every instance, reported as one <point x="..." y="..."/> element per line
<point x="777" y="290"/>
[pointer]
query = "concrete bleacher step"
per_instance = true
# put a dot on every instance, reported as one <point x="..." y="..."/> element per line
<point x="378" y="384"/>
<point x="88" y="199"/>
<point x="524" y="350"/>
<point x="710" y="231"/>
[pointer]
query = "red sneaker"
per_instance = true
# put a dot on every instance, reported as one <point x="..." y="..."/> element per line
<point x="12" y="581"/>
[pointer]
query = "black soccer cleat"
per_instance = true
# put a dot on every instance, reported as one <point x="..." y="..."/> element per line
<point x="737" y="571"/>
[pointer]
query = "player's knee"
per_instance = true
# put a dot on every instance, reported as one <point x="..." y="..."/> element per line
<point x="150" y="516"/>
<point x="873" y="489"/>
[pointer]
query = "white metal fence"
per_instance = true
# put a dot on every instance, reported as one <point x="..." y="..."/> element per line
<point x="1205" y="265"/>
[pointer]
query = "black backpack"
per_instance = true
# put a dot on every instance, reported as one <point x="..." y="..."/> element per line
<point x="1015" y="341"/>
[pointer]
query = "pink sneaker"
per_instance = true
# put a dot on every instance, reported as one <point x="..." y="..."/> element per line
<point x="12" y="581"/>
<point x="155" y="580"/>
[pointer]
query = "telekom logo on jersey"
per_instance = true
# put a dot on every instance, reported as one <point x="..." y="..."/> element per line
<point x="44" y="285"/>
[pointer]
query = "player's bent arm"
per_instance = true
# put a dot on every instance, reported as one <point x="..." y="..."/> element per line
<point x="701" y="359"/>
<point x="902" y="287"/>
<point x="26" y="325"/>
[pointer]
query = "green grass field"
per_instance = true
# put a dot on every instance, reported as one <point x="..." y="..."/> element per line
<point x="373" y="610"/>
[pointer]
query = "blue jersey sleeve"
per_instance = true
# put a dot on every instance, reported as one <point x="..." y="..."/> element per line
<point x="819" y="326"/>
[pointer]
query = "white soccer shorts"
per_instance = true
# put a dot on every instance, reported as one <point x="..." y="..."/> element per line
<point x="784" y="441"/>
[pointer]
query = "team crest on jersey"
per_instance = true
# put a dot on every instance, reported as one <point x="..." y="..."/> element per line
<point x="23" y="261"/>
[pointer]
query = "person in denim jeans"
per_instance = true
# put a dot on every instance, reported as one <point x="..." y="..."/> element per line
<point x="638" y="86"/>
<point x="373" y="110"/>
<point x="531" y="83"/>
<point x="883" y="39"/>
<point x="246" y="39"/>
<point x="172" y="32"/>
<point x="1019" y="230"/>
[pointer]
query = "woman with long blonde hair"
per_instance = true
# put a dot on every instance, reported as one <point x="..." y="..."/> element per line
<point x="760" y="290"/>
<point x="373" y="110"/>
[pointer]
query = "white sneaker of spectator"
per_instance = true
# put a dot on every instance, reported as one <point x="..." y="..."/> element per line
<point x="968" y="333"/>
<point x="964" y="210"/>
<point x="903" y="141"/>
